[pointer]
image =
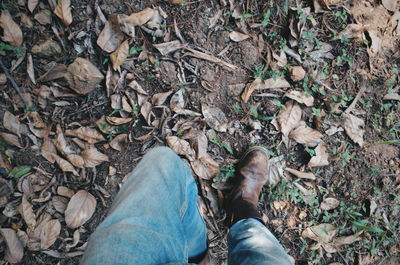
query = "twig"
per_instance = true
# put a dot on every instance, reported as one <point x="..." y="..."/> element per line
<point x="359" y="94"/>
<point x="207" y="57"/>
<point x="14" y="85"/>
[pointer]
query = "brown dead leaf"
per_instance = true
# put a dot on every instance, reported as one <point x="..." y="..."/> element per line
<point x="329" y="204"/>
<point x="93" y="157"/>
<point x="64" y="191"/>
<point x="126" y="105"/>
<point x="119" y="56"/>
<point x="275" y="83"/>
<point x="250" y="88"/>
<point x="88" y="134"/>
<point x="118" y="121"/>
<point x="300" y="174"/>
<point x="65" y="165"/>
<point x="15" y="250"/>
<point x="289" y="117"/>
<point x="137" y="87"/>
<point x="83" y="76"/>
<point x="63" y="11"/>
<point x="275" y="169"/>
<point x="11" y="123"/>
<point x="11" y="139"/>
<point x="215" y="118"/>
<point x="305" y="135"/>
<point x="111" y="36"/>
<point x="127" y="28"/>
<point x="29" y="69"/>
<point x="354" y="127"/>
<point x="26" y="211"/>
<point x="391" y="5"/>
<point x="80" y="209"/>
<point x="32" y="5"/>
<point x="205" y="167"/>
<point x="48" y="149"/>
<point x="297" y="73"/>
<point x="238" y="36"/>
<point x="49" y="233"/>
<point x="168" y="47"/>
<point x="322" y="233"/>
<point x="352" y="31"/>
<point x="59" y="203"/>
<point x="181" y="147"/>
<point x="140" y="18"/>
<point x="159" y="98"/>
<point x="119" y="142"/>
<point x="43" y="17"/>
<point x="321" y="157"/>
<point x="61" y="143"/>
<point x="347" y="240"/>
<point x="392" y="96"/>
<point x="76" y="160"/>
<point x="301" y="97"/>
<point x="12" y="32"/>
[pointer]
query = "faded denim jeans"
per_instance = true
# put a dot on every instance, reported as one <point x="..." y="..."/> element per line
<point x="155" y="220"/>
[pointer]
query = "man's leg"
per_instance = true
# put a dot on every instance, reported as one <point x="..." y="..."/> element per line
<point x="249" y="241"/>
<point x="154" y="218"/>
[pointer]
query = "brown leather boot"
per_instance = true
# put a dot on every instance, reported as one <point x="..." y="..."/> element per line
<point x="251" y="175"/>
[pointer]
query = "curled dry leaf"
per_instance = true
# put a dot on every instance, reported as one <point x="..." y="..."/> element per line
<point x="181" y="147"/>
<point x="119" y="56"/>
<point x="15" y="250"/>
<point x="83" y="76"/>
<point x="322" y="233"/>
<point x="137" y="87"/>
<point x="26" y="211"/>
<point x="126" y="28"/>
<point x="159" y="98"/>
<point x="76" y="160"/>
<point x="61" y="143"/>
<point x="301" y="97"/>
<point x="11" y="123"/>
<point x="300" y="174"/>
<point x="392" y="96"/>
<point x="111" y="36"/>
<point x="118" y="121"/>
<point x="289" y="117"/>
<point x="352" y="31"/>
<point x="250" y="88"/>
<point x="177" y="102"/>
<point x="140" y="18"/>
<point x="205" y="167"/>
<point x="48" y="149"/>
<point x="93" y="157"/>
<point x="119" y="142"/>
<point x="329" y="204"/>
<point x="321" y="157"/>
<point x="11" y="139"/>
<point x="80" y="209"/>
<point x="88" y="134"/>
<point x="297" y="73"/>
<point x="12" y="32"/>
<point x="354" y="127"/>
<point x="64" y="191"/>
<point x="215" y="118"/>
<point x="237" y="36"/>
<point x="30" y="70"/>
<point x="49" y="233"/>
<point x="63" y="11"/>
<point x="168" y="47"/>
<point x="275" y="169"/>
<point x="65" y="165"/>
<point x="305" y="135"/>
<point x="59" y="203"/>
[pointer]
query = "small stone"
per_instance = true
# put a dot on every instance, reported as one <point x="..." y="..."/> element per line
<point x="47" y="48"/>
<point x="297" y="73"/>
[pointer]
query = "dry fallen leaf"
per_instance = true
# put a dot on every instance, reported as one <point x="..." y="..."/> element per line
<point x="275" y="169"/>
<point x="301" y="97"/>
<point x="119" y="142"/>
<point x="329" y="204"/>
<point x="11" y="123"/>
<point x="119" y="56"/>
<point x="352" y="31"/>
<point x="93" y="157"/>
<point x="140" y="18"/>
<point x="63" y="11"/>
<point x="83" y="76"/>
<point x="80" y="209"/>
<point x="88" y="134"/>
<point x="215" y="118"/>
<point x="289" y="117"/>
<point x="250" y="88"/>
<point x="117" y="120"/>
<point x="275" y="83"/>
<point x="321" y="157"/>
<point x="168" y="47"/>
<point x="181" y="147"/>
<point x="205" y="167"/>
<point x="64" y="191"/>
<point x="297" y="73"/>
<point x="391" y="5"/>
<point x="59" y="203"/>
<point x="322" y="233"/>
<point x="11" y="139"/>
<point x="137" y="87"/>
<point x="237" y="36"/>
<point x="32" y="5"/>
<point x="65" y="165"/>
<point x="76" y="160"/>
<point x="111" y="36"/>
<point x="305" y="135"/>
<point x="26" y="211"/>
<point x="48" y="149"/>
<point x="159" y="98"/>
<point x="354" y="127"/>
<point x="392" y="96"/>
<point x="300" y="174"/>
<point x="12" y="32"/>
<point x="15" y="250"/>
<point x="30" y="70"/>
<point x="49" y="233"/>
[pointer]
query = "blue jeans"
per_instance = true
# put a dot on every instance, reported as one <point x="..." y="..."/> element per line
<point x="155" y="220"/>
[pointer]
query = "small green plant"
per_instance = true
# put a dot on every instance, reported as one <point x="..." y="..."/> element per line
<point x="266" y="18"/>
<point x="343" y="59"/>
<point x="316" y="112"/>
<point x="226" y="172"/>
<point x="341" y="16"/>
<point x="236" y="108"/>
<point x="245" y="15"/>
<point x="18" y="51"/>
<point x="259" y="72"/>
<point x="310" y="151"/>
<point x="134" y="50"/>
<point x="220" y="143"/>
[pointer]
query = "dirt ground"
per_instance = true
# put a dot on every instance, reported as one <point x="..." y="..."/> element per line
<point x="337" y="53"/>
